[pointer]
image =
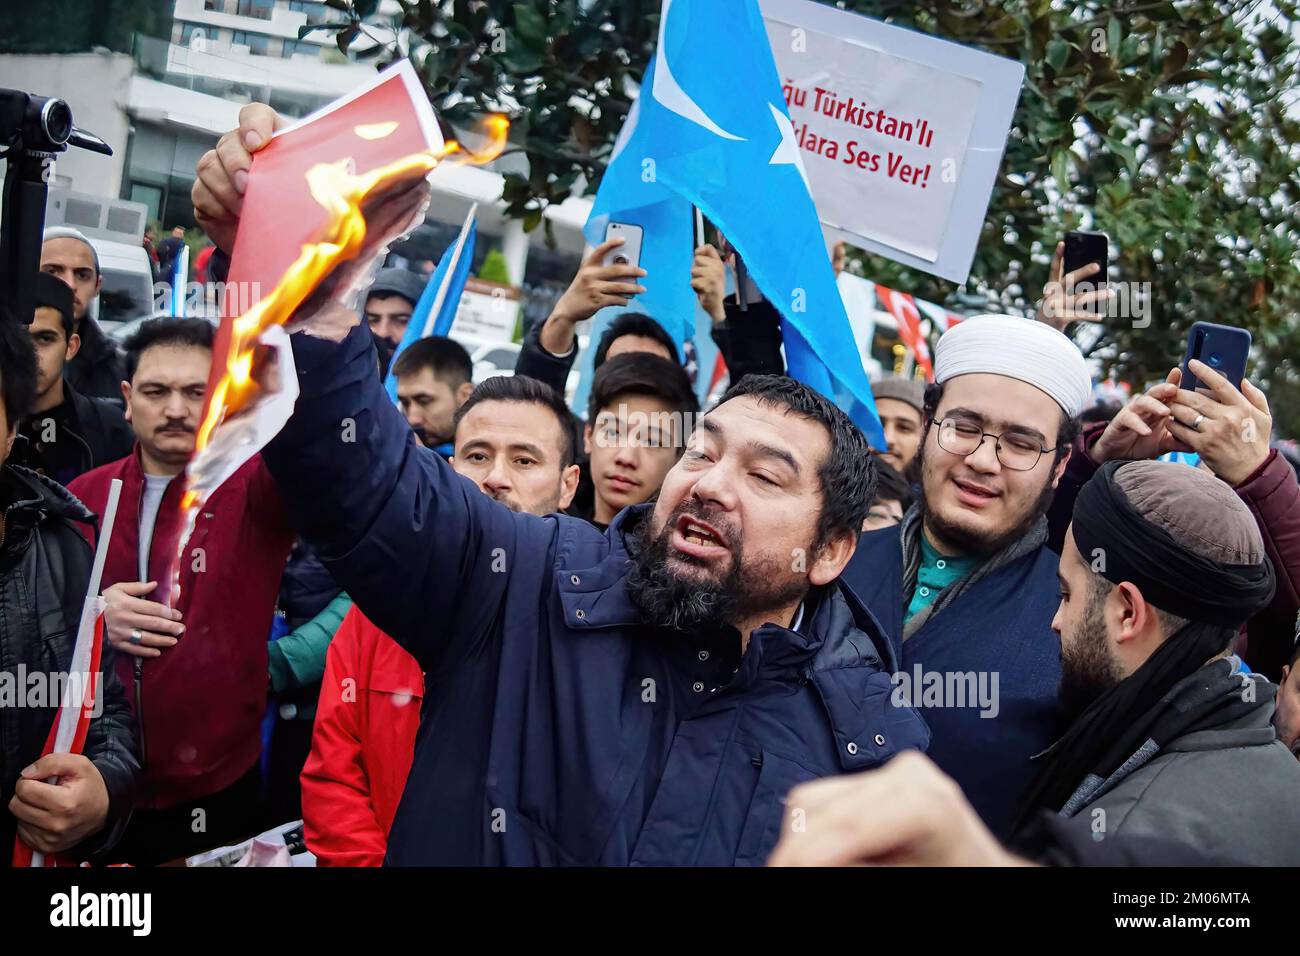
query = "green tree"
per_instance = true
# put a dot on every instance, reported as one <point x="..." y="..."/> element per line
<point x="77" y="26"/>
<point x="1170" y="126"/>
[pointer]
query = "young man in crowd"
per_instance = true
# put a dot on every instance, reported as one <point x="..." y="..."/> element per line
<point x="1170" y="743"/>
<point x="198" y="669"/>
<point x="67" y="433"/>
<point x="900" y="404"/>
<point x="168" y="250"/>
<point x="390" y="301"/>
<point x="97" y="369"/>
<point x="434" y="377"/>
<point x="966" y="584"/>
<point x="44" y="571"/>
<point x="512" y="440"/>
<point x="639" y="416"/>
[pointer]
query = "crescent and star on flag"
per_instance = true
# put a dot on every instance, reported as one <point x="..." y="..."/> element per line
<point x="669" y="93"/>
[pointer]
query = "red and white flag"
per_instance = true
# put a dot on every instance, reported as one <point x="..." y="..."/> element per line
<point x="903" y="308"/>
<point x="79" y="702"/>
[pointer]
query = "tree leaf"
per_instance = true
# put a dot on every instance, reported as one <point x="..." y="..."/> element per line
<point x="530" y="26"/>
<point x="1058" y="51"/>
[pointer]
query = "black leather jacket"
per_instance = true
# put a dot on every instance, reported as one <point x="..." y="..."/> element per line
<point x="44" y="570"/>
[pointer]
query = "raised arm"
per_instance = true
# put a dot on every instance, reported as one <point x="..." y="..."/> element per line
<point x="399" y="530"/>
<point x="407" y="537"/>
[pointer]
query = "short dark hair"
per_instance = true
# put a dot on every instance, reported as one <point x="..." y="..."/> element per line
<point x="52" y="293"/>
<point x="444" y="357"/>
<point x="192" y="333"/>
<point x="1066" y="433"/>
<point x="525" y="391"/>
<point x="633" y="323"/>
<point x="17" y="368"/>
<point x="892" y="486"/>
<point x="641" y="373"/>
<point x="848" y="473"/>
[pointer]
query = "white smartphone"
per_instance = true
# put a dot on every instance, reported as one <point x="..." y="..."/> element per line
<point x="629" y="253"/>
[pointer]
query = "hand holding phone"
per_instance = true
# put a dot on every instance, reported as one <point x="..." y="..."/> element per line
<point x="1216" y="412"/>
<point x="1222" y="347"/>
<point x="629" y="253"/>
<point x="1076" y="288"/>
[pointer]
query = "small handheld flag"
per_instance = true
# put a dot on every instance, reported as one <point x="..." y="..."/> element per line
<point x="81" y="689"/>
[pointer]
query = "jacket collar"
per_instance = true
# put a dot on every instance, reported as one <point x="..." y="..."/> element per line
<point x="840" y="649"/>
<point x="30" y="500"/>
<point x="837" y="629"/>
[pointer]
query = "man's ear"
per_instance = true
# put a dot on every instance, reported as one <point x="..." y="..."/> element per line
<point x="126" y="398"/>
<point x="586" y="439"/>
<point x="74" y="346"/>
<point x="99" y="284"/>
<point x="9" y="439"/>
<point x="1059" y="468"/>
<point x="1133" y="615"/>
<point x="832" y="559"/>
<point x="568" y="486"/>
<point x="463" y="393"/>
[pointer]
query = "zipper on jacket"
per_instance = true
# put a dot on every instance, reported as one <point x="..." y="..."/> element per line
<point x="139" y="718"/>
<point x="90" y="455"/>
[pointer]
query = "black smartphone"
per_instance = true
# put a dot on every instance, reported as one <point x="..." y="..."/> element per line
<point x="1222" y="347"/>
<point x="1084" y="248"/>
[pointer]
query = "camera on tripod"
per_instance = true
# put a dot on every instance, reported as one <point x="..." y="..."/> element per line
<point x="33" y="131"/>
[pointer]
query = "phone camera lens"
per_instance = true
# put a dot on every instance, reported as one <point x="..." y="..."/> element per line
<point x="620" y="260"/>
<point x="1216" y="360"/>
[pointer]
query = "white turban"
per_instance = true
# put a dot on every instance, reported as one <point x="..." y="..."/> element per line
<point x="1023" y="349"/>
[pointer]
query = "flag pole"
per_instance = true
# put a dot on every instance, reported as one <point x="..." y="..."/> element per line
<point x="447" y="278"/>
<point x="71" y="710"/>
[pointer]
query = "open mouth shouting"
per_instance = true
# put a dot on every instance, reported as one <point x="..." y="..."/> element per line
<point x="698" y="539"/>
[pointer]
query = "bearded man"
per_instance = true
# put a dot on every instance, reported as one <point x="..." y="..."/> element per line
<point x="966" y="584"/>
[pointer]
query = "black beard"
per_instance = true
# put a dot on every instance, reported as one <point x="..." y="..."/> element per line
<point x="686" y="604"/>
<point x="1087" y="670"/>
<point x="970" y="543"/>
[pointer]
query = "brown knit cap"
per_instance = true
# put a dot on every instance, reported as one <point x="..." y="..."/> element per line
<point x="900" y="389"/>
<point x="1197" y="510"/>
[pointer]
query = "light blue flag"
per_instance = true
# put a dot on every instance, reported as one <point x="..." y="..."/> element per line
<point x="711" y="129"/>
<point x="443" y="290"/>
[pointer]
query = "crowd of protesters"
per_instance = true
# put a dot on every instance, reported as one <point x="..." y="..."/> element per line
<point x="492" y="631"/>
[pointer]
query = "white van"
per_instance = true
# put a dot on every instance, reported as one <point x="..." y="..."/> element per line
<point x="115" y="227"/>
<point x="128" y="283"/>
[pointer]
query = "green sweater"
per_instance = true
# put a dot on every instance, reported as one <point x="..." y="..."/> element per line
<point x="298" y="659"/>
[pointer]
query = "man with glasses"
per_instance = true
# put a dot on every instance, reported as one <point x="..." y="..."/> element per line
<point x="966" y="584"/>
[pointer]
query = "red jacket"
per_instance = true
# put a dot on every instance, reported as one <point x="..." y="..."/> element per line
<point x="200" y="703"/>
<point x="362" y="747"/>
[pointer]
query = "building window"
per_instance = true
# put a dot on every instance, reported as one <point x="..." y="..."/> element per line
<point x="260" y="9"/>
<point x="255" y="42"/>
<point x="300" y="46"/>
<point x="191" y="30"/>
<point x="217" y="6"/>
<point x="316" y="11"/>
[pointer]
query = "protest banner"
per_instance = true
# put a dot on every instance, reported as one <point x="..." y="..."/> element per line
<point x="901" y="134"/>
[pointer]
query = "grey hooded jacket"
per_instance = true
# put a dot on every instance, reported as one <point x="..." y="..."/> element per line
<point x="1232" y="790"/>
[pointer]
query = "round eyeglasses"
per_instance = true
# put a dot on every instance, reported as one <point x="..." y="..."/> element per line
<point x="1015" y="451"/>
